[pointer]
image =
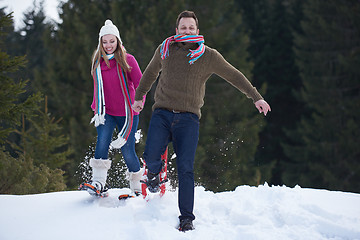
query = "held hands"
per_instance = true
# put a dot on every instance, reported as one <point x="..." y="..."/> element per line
<point x="138" y="106"/>
<point x="262" y="106"/>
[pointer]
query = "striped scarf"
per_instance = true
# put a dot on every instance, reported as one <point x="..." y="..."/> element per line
<point x="194" y="54"/>
<point x="99" y="117"/>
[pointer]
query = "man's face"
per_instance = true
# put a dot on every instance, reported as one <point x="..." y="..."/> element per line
<point x="187" y="26"/>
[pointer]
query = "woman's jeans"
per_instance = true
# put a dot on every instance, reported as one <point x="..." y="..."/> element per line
<point x="182" y="129"/>
<point x="104" y="138"/>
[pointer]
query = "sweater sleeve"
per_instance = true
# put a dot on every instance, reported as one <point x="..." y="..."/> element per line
<point x="135" y="73"/>
<point x="150" y="75"/>
<point x="93" y="102"/>
<point x="226" y="71"/>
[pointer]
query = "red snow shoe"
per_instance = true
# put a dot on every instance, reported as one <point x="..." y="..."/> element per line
<point x="156" y="184"/>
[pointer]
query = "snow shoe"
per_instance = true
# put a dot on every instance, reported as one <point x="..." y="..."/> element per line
<point x="186" y="225"/>
<point x="95" y="188"/>
<point x="155" y="183"/>
<point x="127" y="196"/>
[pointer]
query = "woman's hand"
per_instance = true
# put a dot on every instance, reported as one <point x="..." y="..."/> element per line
<point x="138" y="106"/>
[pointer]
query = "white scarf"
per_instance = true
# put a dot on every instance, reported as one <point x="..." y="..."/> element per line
<point x="99" y="117"/>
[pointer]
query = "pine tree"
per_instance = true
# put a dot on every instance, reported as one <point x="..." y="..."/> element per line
<point x="31" y="40"/>
<point x="12" y="99"/>
<point x="230" y="125"/>
<point x="271" y="41"/>
<point x="327" y="151"/>
<point x="18" y="174"/>
<point x="44" y="141"/>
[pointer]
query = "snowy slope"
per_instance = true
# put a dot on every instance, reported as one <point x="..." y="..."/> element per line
<point x="247" y="213"/>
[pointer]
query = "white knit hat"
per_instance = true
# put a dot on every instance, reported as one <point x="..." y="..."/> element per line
<point x="109" y="28"/>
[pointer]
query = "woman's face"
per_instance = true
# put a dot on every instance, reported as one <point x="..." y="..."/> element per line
<point x="109" y="43"/>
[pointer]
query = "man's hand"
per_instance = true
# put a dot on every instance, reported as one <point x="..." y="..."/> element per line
<point x="262" y="106"/>
<point x="138" y="106"/>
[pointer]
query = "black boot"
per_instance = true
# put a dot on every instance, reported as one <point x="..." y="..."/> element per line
<point x="153" y="182"/>
<point x="186" y="225"/>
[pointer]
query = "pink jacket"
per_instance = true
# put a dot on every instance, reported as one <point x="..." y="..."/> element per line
<point x="114" y="99"/>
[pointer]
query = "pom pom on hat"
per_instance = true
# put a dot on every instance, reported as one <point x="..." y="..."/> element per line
<point x="109" y="28"/>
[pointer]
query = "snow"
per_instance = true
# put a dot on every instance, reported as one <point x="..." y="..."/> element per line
<point x="263" y="212"/>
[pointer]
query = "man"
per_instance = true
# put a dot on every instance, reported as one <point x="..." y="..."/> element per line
<point x="185" y="64"/>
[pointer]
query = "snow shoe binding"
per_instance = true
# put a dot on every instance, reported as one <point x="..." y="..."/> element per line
<point x="95" y="188"/>
<point x="152" y="182"/>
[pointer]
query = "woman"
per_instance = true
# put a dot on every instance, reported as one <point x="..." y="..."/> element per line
<point x="116" y="75"/>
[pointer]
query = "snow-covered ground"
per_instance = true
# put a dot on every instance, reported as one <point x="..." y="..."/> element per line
<point x="247" y="213"/>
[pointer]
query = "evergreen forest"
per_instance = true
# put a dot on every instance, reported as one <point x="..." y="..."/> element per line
<point x="302" y="55"/>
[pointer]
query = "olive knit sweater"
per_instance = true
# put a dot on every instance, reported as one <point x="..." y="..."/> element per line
<point x="181" y="86"/>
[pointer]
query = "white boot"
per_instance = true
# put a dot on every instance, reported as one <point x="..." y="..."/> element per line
<point x="134" y="180"/>
<point x="100" y="168"/>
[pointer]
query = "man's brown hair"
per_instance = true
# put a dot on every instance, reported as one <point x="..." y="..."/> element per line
<point x="187" y="14"/>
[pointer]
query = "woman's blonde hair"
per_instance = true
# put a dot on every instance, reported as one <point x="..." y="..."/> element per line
<point x="119" y="54"/>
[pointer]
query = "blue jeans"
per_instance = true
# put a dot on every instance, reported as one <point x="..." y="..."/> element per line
<point x="182" y="129"/>
<point x="104" y="138"/>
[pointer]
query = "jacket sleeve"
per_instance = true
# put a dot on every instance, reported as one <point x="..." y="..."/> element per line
<point x="150" y="75"/>
<point x="228" y="72"/>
